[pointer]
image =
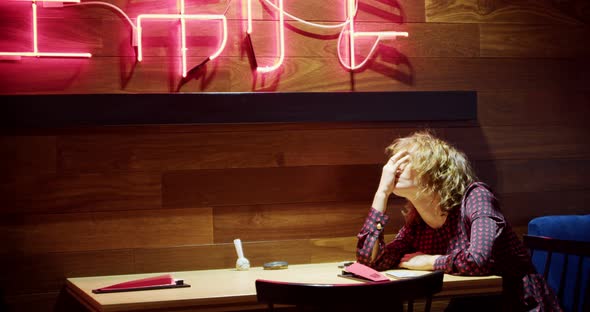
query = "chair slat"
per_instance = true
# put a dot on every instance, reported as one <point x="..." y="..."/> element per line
<point x="562" y="279"/>
<point x="579" y="284"/>
<point x="568" y="248"/>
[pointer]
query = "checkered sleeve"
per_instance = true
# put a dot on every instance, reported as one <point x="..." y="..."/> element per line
<point x="388" y="256"/>
<point x="486" y="225"/>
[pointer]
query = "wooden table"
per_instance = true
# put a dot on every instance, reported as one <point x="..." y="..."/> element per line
<point x="232" y="290"/>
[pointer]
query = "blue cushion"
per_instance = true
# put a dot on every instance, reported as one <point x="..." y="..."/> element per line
<point x="567" y="227"/>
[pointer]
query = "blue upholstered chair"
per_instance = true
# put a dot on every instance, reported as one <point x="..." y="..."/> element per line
<point x="570" y="239"/>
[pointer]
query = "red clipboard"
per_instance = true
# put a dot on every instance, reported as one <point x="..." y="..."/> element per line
<point x="149" y="283"/>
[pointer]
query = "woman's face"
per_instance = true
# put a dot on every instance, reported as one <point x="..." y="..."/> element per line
<point x="405" y="177"/>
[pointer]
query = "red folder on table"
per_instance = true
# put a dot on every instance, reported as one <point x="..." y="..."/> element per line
<point x="155" y="282"/>
<point x="366" y="272"/>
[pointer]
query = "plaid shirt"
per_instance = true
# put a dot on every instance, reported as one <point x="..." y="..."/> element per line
<point x="474" y="240"/>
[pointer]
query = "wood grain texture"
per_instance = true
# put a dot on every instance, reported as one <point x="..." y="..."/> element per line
<point x="534" y="107"/>
<point x="497" y="11"/>
<point x="112" y="200"/>
<point x="111" y="37"/>
<point x="277" y="148"/>
<point x="221" y="255"/>
<point x="107" y="230"/>
<point x="531" y="41"/>
<point x="389" y="71"/>
<point x="254" y="186"/>
<point x="324" y="11"/>
<point x="26" y="156"/>
<point x="526" y="142"/>
<point x="539" y="175"/>
<point x="81" y="192"/>
<point x="180" y="151"/>
<point x="46" y="272"/>
<point x="520" y="208"/>
<point x="292" y="221"/>
<point x="271" y="146"/>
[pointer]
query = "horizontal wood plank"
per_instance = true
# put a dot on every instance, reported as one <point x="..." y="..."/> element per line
<point x="521" y="208"/>
<point x="27" y="155"/>
<point x="497" y="11"/>
<point x="527" y="142"/>
<point x="221" y="255"/>
<point x="294" y="221"/>
<point x="255" y="186"/>
<point x="270" y="147"/>
<point x="251" y="149"/>
<point x="81" y="192"/>
<point x="390" y="71"/>
<point x="534" y="107"/>
<point x="106" y="230"/>
<point x="532" y="41"/>
<point x="325" y="11"/>
<point x="540" y="175"/>
<point x="28" y="273"/>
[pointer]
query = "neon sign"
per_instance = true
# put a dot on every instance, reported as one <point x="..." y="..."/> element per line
<point x="347" y="30"/>
<point x="35" y="49"/>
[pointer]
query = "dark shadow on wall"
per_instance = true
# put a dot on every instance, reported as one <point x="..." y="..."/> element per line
<point x="3" y="307"/>
<point x="67" y="303"/>
<point x="471" y="139"/>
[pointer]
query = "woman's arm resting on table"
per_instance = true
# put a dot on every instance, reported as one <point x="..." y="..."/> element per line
<point x="418" y="261"/>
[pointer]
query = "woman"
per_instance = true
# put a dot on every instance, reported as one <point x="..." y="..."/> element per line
<point x="453" y="223"/>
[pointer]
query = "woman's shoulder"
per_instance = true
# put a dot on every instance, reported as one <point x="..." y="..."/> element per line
<point x="479" y="198"/>
<point x="478" y="189"/>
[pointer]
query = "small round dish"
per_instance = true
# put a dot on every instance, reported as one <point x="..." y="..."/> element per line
<point x="275" y="265"/>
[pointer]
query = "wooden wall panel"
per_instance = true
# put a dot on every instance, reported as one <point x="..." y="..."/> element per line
<point x="291" y="221"/>
<point x="532" y="175"/>
<point x="508" y="40"/>
<point x="106" y="230"/>
<point x="26" y="156"/>
<point x="46" y="272"/>
<point x="528" y="142"/>
<point x="426" y="40"/>
<point x="270" y="146"/>
<point x="254" y="186"/>
<point x="390" y="72"/>
<point x="177" y="151"/>
<point x="275" y="148"/>
<point x="221" y="255"/>
<point x="540" y="108"/>
<point x="81" y="192"/>
<point x="323" y="11"/>
<point x="520" y="208"/>
<point x="497" y="11"/>
<point x="113" y="200"/>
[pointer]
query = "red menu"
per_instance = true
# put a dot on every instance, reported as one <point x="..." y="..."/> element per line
<point x="156" y="282"/>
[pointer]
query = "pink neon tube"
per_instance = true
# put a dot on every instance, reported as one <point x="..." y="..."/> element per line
<point x="182" y="17"/>
<point x="281" y="41"/>
<point x="35" y="52"/>
<point x="379" y="35"/>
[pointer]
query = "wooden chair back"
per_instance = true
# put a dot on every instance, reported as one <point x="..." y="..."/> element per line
<point x="384" y="296"/>
<point x="564" y="251"/>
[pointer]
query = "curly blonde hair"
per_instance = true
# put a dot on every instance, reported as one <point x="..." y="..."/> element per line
<point x="440" y="168"/>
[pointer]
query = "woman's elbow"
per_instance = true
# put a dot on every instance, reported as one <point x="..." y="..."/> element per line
<point x="474" y="265"/>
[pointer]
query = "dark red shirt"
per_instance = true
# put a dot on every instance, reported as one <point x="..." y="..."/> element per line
<point x="474" y="240"/>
